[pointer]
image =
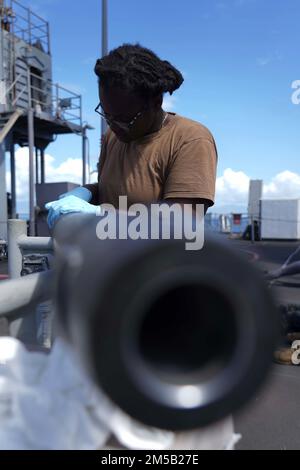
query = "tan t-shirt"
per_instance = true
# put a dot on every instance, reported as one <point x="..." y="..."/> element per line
<point x="178" y="161"/>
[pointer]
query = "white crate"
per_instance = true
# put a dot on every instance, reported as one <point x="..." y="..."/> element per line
<point x="280" y="219"/>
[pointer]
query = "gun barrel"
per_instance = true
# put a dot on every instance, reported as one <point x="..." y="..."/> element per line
<point x="177" y="339"/>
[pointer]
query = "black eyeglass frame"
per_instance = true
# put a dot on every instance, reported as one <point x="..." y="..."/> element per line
<point x="120" y="124"/>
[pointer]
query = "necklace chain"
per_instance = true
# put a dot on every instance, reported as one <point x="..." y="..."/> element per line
<point x="164" y="119"/>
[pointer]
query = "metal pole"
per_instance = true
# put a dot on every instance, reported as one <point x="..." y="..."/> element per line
<point x="17" y="295"/>
<point x="104" y="28"/>
<point x="57" y="110"/>
<point x="31" y="172"/>
<point x="29" y="26"/>
<point x="13" y="181"/>
<point x="48" y="39"/>
<point x="30" y="245"/>
<point x="16" y="228"/>
<point x="104" y="50"/>
<point x="2" y="78"/>
<point x="80" y="104"/>
<point x="31" y="158"/>
<point x="42" y="166"/>
<point x="88" y="161"/>
<point x="84" y="155"/>
<point x="37" y="166"/>
<point x="252" y="230"/>
<point x="3" y="195"/>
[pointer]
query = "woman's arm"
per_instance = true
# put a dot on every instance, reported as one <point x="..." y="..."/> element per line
<point x="94" y="187"/>
<point x="192" y="202"/>
<point x="192" y="174"/>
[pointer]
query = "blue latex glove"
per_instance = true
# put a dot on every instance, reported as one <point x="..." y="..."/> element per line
<point x="81" y="192"/>
<point x="68" y="205"/>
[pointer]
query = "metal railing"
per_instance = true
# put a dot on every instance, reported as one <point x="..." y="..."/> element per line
<point x="18" y="21"/>
<point x="46" y="96"/>
<point x="26" y="25"/>
<point x="9" y="89"/>
<point x="66" y="105"/>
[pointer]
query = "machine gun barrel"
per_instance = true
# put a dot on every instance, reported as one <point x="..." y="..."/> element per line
<point x="178" y="339"/>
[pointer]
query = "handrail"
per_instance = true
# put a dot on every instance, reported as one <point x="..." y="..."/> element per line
<point x="26" y="21"/>
<point x="26" y="8"/>
<point x="69" y="91"/>
<point x="19" y="95"/>
<point x="31" y="290"/>
<point x="9" y="124"/>
<point x="35" y="244"/>
<point x="51" y="96"/>
<point x="11" y="86"/>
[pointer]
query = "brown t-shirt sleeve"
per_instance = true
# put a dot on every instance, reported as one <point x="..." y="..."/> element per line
<point x="192" y="171"/>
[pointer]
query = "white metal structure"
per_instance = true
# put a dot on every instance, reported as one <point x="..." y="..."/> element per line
<point x="280" y="219"/>
<point x="255" y="195"/>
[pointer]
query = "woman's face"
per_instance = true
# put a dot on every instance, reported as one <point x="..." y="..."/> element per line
<point x="122" y="108"/>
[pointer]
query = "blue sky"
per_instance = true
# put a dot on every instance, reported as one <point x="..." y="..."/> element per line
<point x="239" y="59"/>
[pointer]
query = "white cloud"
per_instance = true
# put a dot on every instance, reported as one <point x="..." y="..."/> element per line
<point x="232" y="188"/>
<point x="285" y="184"/>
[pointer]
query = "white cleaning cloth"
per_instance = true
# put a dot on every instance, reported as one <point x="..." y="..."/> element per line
<point x="48" y="402"/>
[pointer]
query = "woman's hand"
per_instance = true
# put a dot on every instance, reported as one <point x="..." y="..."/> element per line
<point x="67" y="205"/>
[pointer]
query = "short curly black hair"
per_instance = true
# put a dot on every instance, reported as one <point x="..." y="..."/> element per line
<point x="137" y="69"/>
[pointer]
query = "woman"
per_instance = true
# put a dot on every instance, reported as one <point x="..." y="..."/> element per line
<point x="147" y="154"/>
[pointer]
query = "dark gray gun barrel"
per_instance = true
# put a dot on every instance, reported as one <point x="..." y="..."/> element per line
<point x="178" y="339"/>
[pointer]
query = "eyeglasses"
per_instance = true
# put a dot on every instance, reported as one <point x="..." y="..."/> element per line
<point x="122" y="125"/>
